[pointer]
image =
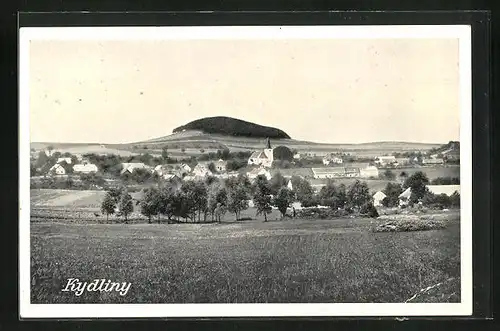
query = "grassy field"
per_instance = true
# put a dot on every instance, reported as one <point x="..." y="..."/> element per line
<point x="249" y="261"/>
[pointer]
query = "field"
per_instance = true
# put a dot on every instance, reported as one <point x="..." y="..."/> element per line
<point x="193" y="141"/>
<point x="249" y="261"/>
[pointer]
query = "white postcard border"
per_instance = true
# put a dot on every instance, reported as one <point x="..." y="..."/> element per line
<point x="462" y="32"/>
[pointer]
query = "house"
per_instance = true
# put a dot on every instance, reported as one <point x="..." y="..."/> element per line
<point x="257" y="172"/>
<point x="130" y="167"/>
<point x="404" y="197"/>
<point x="444" y="189"/>
<point x="329" y="172"/>
<point x="433" y="161"/>
<point x="64" y="159"/>
<point x="201" y="170"/>
<point x="296" y="156"/>
<point x="171" y="177"/>
<point x="378" y="197"/>
<point x="220" y="165"/>
<point x="185" y="168"/>
<point x="57" y="169"/>
<point x="263" y="157"/>
<point x="385" y="160"/>
<point x="162" y="169"/>
<point x="369" y="171"/>
<point x="332" y="159"/>
<point x="352" y="172"/>
<point x="85" y="168"/>
<point x="402" y="161"/>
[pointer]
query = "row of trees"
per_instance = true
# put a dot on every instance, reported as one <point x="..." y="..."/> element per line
<point x="210" y="200"/>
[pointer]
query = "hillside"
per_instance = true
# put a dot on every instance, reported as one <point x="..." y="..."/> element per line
<point x="232" y="127"/>
<point x="451" y="148"/>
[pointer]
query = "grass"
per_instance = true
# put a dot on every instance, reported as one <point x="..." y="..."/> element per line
<point x="251" y="261"/>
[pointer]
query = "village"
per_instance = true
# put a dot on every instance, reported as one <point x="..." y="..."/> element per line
<point x="137" y="175"/>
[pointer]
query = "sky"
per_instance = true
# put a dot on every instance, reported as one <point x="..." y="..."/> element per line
<point x="324" y="90"/>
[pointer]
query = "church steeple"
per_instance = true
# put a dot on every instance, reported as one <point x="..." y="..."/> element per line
<point x="268" y="143"/>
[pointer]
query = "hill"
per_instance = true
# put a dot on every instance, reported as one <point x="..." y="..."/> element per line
<point x="232" y="127"/>
<point x="451" y="148"/>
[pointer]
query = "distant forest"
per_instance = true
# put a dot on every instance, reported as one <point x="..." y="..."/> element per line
<point x="233" y="127"/>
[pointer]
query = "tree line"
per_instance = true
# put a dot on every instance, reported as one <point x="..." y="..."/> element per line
<point x="211" y="199"/>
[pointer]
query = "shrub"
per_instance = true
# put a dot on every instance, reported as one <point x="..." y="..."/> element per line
<point x="369" y="210"/>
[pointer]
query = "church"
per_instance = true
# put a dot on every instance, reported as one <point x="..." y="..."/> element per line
<point x="262" y="157"/>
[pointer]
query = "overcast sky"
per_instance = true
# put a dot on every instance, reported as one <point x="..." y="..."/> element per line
<point x="335" y="91"/>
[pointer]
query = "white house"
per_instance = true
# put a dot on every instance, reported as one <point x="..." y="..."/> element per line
<point x="184" y="167"/>
<point x="404" y="197"/>
<point x="444" y="189"/>
<point x="378" y="197"/>
<point x="57" y="169"/>
<point x="332" y="159"/>
<point x="201" y="170"/>
<point x="162" y="169"/>
<point x="432" y="161"/>
<point x="257" y="172"/>
<point x="297" y="156"/>
<point x="385" y="160"/>
<point x="130" y="167"/>
<point x="369" y="171"/>
<point x="85" y="168"/>
<point x="402" y="161"/>
<point x="330" y="172"/>
<point x="220" y="165"/>
<point x="64" y="159"/>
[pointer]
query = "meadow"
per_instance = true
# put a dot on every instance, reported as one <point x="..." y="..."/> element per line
<point x="292" y="260"/>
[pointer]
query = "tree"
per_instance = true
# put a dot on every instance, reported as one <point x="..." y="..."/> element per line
<point x="50" y="148"/>
<point x="282" y="153"/>
<point x="369" y="209"/>
<point x="446" y="181"/>
<point x="262" y="196"/>
<point x="42" y="159"/>
<point x="277" y="181"/>
<point x="304" y="192"/>
<point x="237" y="199"/>
<point x="455" y="200"/>
<point x="187" y="200"/>
<point x="333" y="196"/>
<point x="167" y="202"/>
<point x="282" y="200"/>
<point x="217" y="200"/>
<point x="389" y="175"/>
<point x="200" y="196"/>
<point x="116" y="193"/>
<point x="126" y="207"/>
<point x="392" y="192"/>
<point x="164" y="152"/>
<point x="403" y="175"/>
<point x="417" y="182"/>
<point x="150" y="203"/>
<point x="183" y="150"/>
<point x="358" y="194"/>
<point x="108" y="205"/>
<point x="211" y="167"/>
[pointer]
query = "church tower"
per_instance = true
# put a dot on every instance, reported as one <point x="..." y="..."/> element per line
<point x="268" y="151"/>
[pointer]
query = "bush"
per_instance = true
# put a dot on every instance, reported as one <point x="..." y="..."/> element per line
<point x="321" y="213"/>
<point x="369" y="210"/>
<point x="400" y="224"/>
